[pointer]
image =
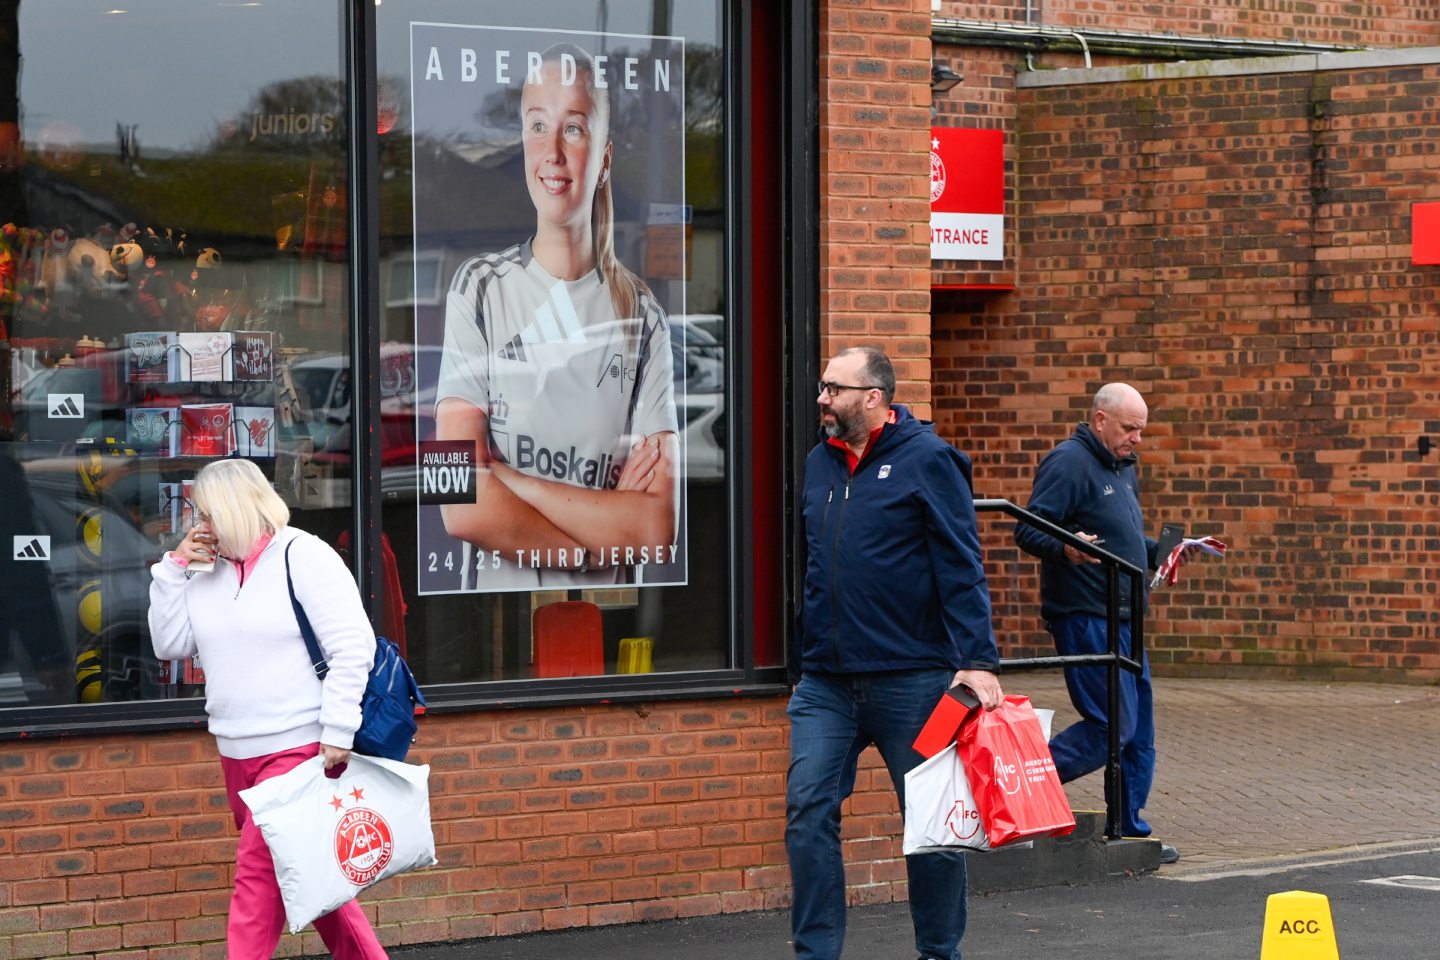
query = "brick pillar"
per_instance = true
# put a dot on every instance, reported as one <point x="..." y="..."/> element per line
<point x="875" y="184"/>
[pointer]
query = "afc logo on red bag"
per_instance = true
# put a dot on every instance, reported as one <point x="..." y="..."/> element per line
<point x="363" y="845"/>
<point x="1006" y="776"/>
<point x="963" y="821"/>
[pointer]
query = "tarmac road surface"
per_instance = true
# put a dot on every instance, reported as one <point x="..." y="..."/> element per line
<point x="1214" y="915"/>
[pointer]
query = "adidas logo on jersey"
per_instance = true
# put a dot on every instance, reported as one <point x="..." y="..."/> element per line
<point x="514" y="350"/>
<point x="555" y="322"/>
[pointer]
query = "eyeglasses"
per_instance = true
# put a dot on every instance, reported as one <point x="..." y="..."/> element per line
<point x="835" y="389"/>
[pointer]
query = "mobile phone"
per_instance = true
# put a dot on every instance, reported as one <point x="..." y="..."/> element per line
<point x="1170" y="536"/>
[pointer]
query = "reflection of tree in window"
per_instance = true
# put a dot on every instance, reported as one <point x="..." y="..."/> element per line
<point x="288" y="116"/>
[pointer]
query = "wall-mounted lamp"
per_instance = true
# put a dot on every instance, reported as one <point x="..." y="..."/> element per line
<point x="942" y="77"/>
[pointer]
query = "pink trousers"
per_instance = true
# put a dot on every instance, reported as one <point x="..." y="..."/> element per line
<point x="257" y="914"/>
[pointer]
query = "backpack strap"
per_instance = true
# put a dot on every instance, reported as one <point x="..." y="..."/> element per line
<point x="308" y="632"/>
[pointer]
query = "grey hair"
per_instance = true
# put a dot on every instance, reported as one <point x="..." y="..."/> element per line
<point x="877" y="372"/>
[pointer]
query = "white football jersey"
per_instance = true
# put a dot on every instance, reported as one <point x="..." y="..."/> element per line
<point x="568" y="387"/>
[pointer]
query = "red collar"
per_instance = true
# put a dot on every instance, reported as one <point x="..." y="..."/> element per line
<point x="851" y="460"/>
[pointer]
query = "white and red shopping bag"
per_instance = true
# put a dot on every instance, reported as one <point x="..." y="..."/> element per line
<point x="940" y="808"/>
<point x="330" y="839"/>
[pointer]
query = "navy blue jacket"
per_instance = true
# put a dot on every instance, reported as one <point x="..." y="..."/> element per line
<point x="893" y="578"/>
<point x="1082" y="486"/>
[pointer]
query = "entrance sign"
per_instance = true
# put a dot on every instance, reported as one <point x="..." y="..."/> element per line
<point x="967" y="194"/>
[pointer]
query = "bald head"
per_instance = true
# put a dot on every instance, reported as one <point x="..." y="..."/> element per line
<point x="1117" y="417"/>
<point x="1113" y="396"/>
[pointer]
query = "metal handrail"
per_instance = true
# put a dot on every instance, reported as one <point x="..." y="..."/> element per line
<point x="1115" y="660"/>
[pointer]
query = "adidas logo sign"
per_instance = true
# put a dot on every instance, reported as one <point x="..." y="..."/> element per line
<point x="66" y="406"/>
<point x="31" y="547"/>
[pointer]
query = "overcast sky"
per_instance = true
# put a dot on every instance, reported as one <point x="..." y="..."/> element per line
<point x="176" y="69"/>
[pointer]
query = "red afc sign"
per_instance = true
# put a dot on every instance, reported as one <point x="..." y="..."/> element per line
<point x="967" y="194"/>
<point x="1425" y="233"/>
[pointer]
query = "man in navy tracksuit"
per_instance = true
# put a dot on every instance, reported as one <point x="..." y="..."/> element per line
<point x="895" y="611"/>
<point x="1088" y="485"/>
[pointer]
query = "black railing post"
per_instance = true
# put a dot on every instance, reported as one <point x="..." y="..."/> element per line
<point x="1114" y="659"/>
<point x="1114" y="778"/>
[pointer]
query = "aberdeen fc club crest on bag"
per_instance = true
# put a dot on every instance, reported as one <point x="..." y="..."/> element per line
<point x="331" y="838"/>
<point x="363" y="841"/>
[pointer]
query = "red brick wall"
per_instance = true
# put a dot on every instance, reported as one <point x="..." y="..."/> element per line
<point x="1388" y="23"/>
<point x="874" y="175"/>
<point x="543" y="819"/>
<point x="1237" y="247"/>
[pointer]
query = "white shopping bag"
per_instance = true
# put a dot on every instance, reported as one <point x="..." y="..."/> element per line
<point x="330" y="839"/>
<point x="940" y="810"/>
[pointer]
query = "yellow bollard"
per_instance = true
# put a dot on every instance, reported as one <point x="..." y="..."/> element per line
<point x="1298" y="927"/>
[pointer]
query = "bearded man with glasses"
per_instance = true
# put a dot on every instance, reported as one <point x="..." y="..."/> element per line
<point x="895" y="611"/>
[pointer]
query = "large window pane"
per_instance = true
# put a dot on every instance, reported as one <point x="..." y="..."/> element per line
<point x="173" y="267"/>
<point x="553" y="246"/>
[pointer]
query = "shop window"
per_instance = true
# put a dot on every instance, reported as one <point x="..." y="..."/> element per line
<point x="175" y="286"/>
<point x="173" y="262"/>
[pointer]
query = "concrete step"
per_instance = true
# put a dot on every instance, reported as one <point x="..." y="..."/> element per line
<point x="1085" y="856"/>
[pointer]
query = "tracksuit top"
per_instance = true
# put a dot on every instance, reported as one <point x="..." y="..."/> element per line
<point x="261" y="692"/>
<point x="1082" y="486"/>
<point x="893" y="576"/>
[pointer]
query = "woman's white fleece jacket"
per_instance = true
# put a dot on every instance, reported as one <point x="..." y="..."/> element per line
<point x="261" y="691"/>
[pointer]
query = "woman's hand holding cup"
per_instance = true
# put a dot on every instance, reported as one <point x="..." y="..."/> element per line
<point x="198" y="548"/>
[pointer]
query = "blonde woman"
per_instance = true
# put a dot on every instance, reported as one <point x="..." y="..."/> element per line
<point x="267" y="709"/>
<point x="557" y="364"/>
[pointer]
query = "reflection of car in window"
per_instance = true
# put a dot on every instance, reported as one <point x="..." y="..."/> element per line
<point x="324" y="385"/>
<point x="99" y="571"/>
<point x="699" y="358"/>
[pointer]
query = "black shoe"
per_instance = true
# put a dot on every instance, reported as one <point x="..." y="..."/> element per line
<point x="1168" y="854"/>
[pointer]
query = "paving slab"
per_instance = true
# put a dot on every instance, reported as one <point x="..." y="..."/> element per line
<point x="1250" y="769"/>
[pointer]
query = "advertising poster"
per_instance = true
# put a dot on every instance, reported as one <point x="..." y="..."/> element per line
<point x="547" y="164"/>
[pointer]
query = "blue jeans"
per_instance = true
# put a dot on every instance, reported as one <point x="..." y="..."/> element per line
<point x="1084" y="746"/>
<point x="833" y="718"/>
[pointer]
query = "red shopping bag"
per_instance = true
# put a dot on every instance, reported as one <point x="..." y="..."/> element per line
<point x="1012" y="775"/>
